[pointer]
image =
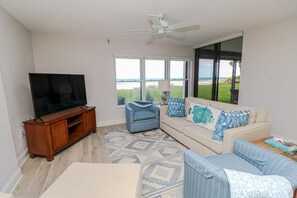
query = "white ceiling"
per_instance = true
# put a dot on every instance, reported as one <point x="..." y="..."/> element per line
<point x="109" y="18"/>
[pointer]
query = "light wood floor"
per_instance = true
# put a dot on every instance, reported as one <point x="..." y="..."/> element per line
<point x="38" y="174"/>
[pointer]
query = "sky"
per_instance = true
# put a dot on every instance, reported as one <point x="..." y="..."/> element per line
<point x="154" y="69"/>
<point x="206" y="68"/>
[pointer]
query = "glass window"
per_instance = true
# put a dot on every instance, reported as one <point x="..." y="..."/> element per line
<point x="154" y="71"/>
<point x="137" y="79"/>
<point x="152" y="93"/>
<point x="127" y="69"/>
<point x="178" y="79"/>
<point x="217" y="70"/>
<point x="177" y="70"/>
<point x="128" y="82"/>
<point x="205" y="78"/>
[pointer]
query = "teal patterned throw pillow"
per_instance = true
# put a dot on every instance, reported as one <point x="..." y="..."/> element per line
<point x="207" y="117"/>
<point x="210" y="117"/>
<point x="228" y="120"/>
<point x="196" y="112"/>
<point x="176" y="107"/>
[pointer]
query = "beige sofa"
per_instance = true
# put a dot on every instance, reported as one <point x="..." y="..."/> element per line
<point x="199" y="138"/>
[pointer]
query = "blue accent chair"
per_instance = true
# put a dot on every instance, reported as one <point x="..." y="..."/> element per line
<point x="205" y="177"/>
<point x="142" y="118"/>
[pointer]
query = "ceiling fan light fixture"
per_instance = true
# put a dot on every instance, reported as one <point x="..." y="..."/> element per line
<point x="161" y="28"/>
<point x="164" y="23"/>
<point x="161" y="31"/>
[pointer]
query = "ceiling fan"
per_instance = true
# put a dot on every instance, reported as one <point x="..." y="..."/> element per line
<point x="161" y="28"/>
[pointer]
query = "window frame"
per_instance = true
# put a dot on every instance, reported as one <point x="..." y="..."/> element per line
<point x="188" y="62"/>
<point x="186" y="75"/>
<point x="150" y="80"/>
<point x="123" y="81"/>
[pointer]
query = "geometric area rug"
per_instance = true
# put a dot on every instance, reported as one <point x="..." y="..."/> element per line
<point x="160" y="155"/>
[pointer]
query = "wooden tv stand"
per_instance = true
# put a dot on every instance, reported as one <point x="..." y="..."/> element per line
<point x="59" y="130"/>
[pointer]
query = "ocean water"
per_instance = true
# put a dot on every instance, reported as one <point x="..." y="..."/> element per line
<point x="207" y="81"/>
<point x="135" y="85"/>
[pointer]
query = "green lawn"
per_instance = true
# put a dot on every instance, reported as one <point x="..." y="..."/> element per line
<point x="152" y="93"/>
<point x="204" y="91"/>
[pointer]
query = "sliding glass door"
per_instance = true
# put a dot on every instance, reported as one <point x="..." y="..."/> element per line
<point x="217" y="71"/>
<point x="205" y="72"/>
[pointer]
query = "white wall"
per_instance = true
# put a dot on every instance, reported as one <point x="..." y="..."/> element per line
<point x="268" y="75"/>
<point x="16" y="60"/>
<point x="10" y="172"/>
<point x="94" y="58"/>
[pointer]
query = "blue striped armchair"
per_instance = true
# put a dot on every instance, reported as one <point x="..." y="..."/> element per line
<point x="142" y="118"/>
<point x="205" y="177"/>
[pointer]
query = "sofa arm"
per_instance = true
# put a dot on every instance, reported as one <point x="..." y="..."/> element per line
<point x="129" y="114"/>
<point x="155" y="110"/>
<point x="200" y="164"/>
<point x="249" y="132"/>
<point x="203" y="179"/>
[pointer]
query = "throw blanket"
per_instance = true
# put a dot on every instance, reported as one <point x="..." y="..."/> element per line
<point x="142" y="104"/>
<point x="247" y="185"/>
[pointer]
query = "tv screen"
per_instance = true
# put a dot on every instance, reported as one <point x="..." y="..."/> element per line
<point x="56" y="92"/>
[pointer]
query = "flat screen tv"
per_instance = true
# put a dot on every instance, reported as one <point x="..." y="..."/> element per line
<point x="56" y="92"/>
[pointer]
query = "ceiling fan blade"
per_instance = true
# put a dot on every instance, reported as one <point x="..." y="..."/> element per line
<point x="155" y="19"/>
<point x="185" y="26"/>
<point x="138" y="30"/>
<point x="176" y="34"/>
<point x="151" y="39"/>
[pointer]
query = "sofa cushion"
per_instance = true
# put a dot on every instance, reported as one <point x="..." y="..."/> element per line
<point x="261" y="115"/>
<point x="177" y="123"/>
<point x="176" y="107"/>
<point x="197" y="101"/>
<point x="232" y="107"/>
<point x="144" y="115"/>
<point x="210" y="117"/>
<point x="233" y="162"/>
<point x="195" y="112"/>
<point x="204" y="137"/>
<point x="228" y="120"/>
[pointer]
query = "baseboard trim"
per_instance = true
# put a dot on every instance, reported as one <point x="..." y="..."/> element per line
<point x="13" y="181"/>
<point x="278" y="136"/>
<point x="111" y="122"/>
<point x="23" y="157"/>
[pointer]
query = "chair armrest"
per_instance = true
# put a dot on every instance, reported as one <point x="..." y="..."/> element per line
<point x="156" y="110"/>
<point x="267" y="161"/>
<point x="203" y="178"/>
<point x="249" y="132"/>
<point x="129" y="114"/>
<point x="200" y="164"/>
